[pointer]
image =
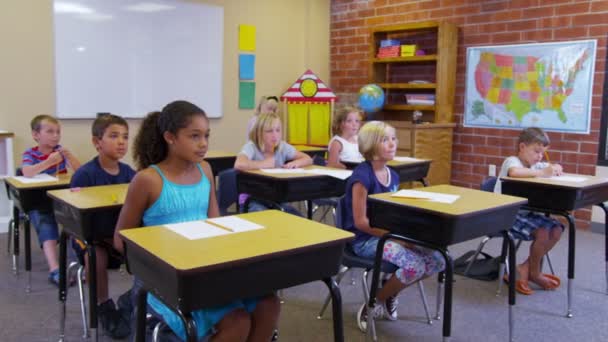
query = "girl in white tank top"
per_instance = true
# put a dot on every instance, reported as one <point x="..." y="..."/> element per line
<point x="343" y="146"/>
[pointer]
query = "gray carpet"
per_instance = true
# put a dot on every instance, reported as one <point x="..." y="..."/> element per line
<point x="478" y="315"/>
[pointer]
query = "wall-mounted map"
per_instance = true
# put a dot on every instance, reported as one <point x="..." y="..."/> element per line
<point x="545" y="85"/>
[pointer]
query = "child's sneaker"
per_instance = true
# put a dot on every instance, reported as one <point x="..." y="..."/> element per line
<point x="54" y="277"/>
<point x="390" y="308"/>
<point x="378" y="312"/>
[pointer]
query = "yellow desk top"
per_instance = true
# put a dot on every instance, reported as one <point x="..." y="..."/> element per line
<point x="470" y="201"/>
<point x="282" y="232"/>
<point x="589" y="182"/>
<point x="63" y="180"/>
<point x="307" y="148"/>
<point x="92" y="197"/>
<point x="219" y="154"/>
<point x="292" y="175"/>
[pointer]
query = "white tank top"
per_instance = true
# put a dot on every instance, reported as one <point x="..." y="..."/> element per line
<point x="350" y="151"/>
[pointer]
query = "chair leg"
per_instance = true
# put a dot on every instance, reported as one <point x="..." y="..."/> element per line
<point x="156" y="331"/>
<point x="83" y="308"/>
<point x="280" y="295"/>
<point x="371" y="324"/>
<point x="479" y="248"/>
<point x="339" y="277"/>
<point x="9" y="237"/>
<point x="549" y="263"/>
<point x="424" y="302"/>
<point x="440" y="290"/>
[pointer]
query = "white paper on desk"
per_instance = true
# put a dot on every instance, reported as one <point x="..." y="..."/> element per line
<point x="406" y="159"/>
<point x="195" y="230"/>
<point x="424" y="195"/>
<point x="340" y="174"/>
<point x="279" y="170"/>
<point x="573" y="179"/>
<point x="39" y="178"/>
<point x="234" y="223"/>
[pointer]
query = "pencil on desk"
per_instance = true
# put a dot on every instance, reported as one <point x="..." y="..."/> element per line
<point x="547" y="157"/>
<point x="221" y="227"/>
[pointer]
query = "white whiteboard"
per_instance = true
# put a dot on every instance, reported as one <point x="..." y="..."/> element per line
<point x="130" y="57"/>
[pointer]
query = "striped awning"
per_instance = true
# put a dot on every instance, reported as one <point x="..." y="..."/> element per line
<point x="309" y="88"/>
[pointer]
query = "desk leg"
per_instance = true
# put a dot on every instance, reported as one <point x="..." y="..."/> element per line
<point x="509" y="239"/>
<point x="336" y="303"/>
<point x="62" y="283"/>
<point x="15" y="237"/>
<point x="309" y="209"/>
<point x="447" y="304"/>
<point x="92" y="280"/>
<point x="601" y="205"/>
<point x="28" y="255"/>
<point x="571" y="254"/>
<point x="140" y="329"/>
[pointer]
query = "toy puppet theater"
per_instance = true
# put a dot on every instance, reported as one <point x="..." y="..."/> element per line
<point x="308" y="106"/>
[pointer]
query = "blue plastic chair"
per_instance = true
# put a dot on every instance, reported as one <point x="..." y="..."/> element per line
<point x="226" y="192"/>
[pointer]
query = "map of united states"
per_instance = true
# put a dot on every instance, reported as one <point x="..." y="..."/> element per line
<point x="525" y="84"/>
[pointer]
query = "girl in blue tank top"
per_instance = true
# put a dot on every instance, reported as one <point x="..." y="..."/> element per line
<point x="176" y="185"/>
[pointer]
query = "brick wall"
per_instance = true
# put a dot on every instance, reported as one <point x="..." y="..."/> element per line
<point x="480" y="23"/>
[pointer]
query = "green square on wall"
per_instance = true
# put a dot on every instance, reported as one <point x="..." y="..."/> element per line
<point x="246" y="95"/>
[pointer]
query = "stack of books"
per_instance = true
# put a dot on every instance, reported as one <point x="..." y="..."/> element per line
<point x="389" y="48"/>
<point x="420" y="99"/>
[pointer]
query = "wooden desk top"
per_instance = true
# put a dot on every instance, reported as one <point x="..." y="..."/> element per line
<point x="292" y="175"/>
<point x="470" y="201"/>
<point x="219" y="154"/>
<point x="63" y="180"/>
<point x="591" y="181"/>
<point x="306" y="148"/>
<point x="282" y="232"/>
<point x="93" y="197"/>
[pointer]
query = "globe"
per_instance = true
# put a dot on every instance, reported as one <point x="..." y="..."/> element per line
<point x="371" y="98"/>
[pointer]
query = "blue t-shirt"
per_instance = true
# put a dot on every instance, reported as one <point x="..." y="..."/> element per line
<point x="364" y="174"/>
<point x="92" y="174"/>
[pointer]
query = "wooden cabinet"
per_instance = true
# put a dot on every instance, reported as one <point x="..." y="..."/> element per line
<point x="431" y="73"/>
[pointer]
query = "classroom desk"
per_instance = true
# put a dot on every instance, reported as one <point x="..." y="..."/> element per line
<point x="220" y="161"/>
<point x="76" y="212"/>
<point x="438" y="225"/>
<point x="27" y="197"/>
<point x="560" y="198"/>
<point x="191" y="274"/>
<point x="312" y="150"/>
<point x="281" y="187"/>
<point x="409" y="171"/>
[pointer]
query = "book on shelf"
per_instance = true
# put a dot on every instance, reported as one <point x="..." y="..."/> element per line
<point x="420" y="99"/>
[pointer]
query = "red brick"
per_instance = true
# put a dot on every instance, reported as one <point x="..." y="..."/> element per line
<point x="441" y="13"/>
<point x="466" y="10"/>
<point x="537" y="12"/>
<point x="586" y="169"/>
<point x="385" y="10"/>
<point x="574" y="32"/>
<point x="510" y="37"/>
<point x="429" y="4"/>
<point x="537" y="36"/>
<point x="572" y="9"/>
<point x="522" y="25"/>
<point x="462" y="148"/>
<point x="585" y="158"/>
<point x="461" y="167"/>
<point x="494" y="6"/>
<point x="472" y="139"/>
<point x="555" y="22"/>
<point x="599" y="6"/>
<point x="590" y="19"/>
<point x="523" y="3"/>
<point x="505" y="16"/>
